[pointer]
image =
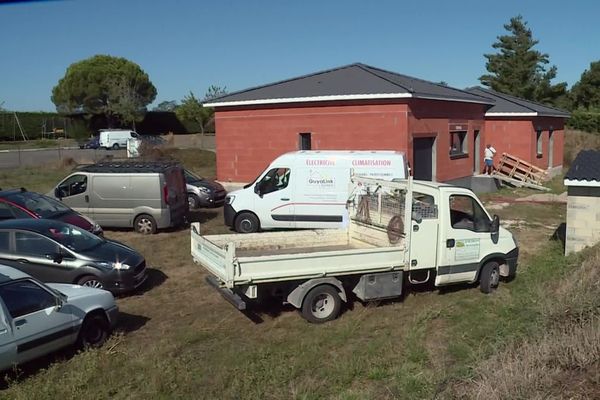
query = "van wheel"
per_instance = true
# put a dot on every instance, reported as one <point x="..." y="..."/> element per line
<point x="90" y="281"/>
<point x="246" y="223"/>
<point x="321" y="304"/>
<point x="144" y="224"/>
<point x="489" y="277"/>
<point x="94" y="331"/>
<point x="193" y="201"/>
<point x="115" y="146"/>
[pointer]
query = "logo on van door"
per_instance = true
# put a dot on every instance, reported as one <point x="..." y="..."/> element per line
<point x="317" y="178"/>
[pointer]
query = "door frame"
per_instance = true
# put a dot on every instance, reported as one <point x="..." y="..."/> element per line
<point x="550" y="148"/>
<point x="429" y="135"/>
<point x="476" y="151"/>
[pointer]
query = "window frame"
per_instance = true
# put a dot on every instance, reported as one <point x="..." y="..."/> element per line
<point x="474" y="205"/>
<point x="17" y="252"/>
<point x="539" y="143"/>
<point x="463" y="151"/>
<point x="69" y="194"/>
<point x="26" y="312"/>
<point x="303" y="138"/>
<point x="260" y="186"/>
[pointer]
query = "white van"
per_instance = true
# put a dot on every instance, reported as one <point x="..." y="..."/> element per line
<point x="307" y="189"/>
<point x="116" y="138"/>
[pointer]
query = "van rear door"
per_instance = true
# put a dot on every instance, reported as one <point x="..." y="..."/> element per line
<point x="175" y="195"/>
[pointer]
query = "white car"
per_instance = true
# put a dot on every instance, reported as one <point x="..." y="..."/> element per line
<point x="37" y="319"/>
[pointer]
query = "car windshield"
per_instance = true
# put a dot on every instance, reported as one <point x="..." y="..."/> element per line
<point x="44" y="206"/>
<point x="74" y="238"/>
<point x="190" y="177"/>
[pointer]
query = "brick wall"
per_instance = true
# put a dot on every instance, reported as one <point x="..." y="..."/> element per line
<point x="583" y="218"/>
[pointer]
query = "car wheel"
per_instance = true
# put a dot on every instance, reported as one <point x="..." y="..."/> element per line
<point x="193" y="201"/>
<point x="115" y="146"/>
<point x="91" y="281"/>
<point x="144" y="224"/>
<point x="94" y="331"/>
<point x="246" y="223"/>
<point x="321" y="304"/>
<point x="489" y="277"/>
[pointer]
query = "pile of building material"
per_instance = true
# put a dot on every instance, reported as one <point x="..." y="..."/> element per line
<point x="517" y="172"/>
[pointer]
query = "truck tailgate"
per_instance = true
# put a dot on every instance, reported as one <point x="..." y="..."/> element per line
<point x="211" y="256"/>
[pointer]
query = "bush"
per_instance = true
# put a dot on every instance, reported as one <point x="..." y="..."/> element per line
<point x="585" y="120"/>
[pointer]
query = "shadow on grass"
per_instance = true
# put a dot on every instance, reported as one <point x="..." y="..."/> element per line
<point x="127" y="323"/>
<point x="202" y="215"/>
<point x="155" y="278"/>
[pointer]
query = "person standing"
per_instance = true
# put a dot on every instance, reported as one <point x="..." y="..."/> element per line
<point x="488" y="159"/>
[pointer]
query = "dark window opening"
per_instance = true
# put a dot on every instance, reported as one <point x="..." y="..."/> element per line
<point x="458" y="143"/>
<point x="304" y="141"/>
<point x="539" y="143"/>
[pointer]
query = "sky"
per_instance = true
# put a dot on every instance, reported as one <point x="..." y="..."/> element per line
<point x="188" y="45"/>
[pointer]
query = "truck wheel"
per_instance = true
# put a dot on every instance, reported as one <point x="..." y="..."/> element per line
<point x="246" y="223"/>
<point x="115" y="146"/>
<point x="321" y="304"/>
<point x="94" y="331"/>
<point x="193" y="201"/>
<point x="489" y="277"/>
<point x="144" y="224"/>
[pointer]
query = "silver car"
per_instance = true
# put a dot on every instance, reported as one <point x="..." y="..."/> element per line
<point x="37" y="319"/>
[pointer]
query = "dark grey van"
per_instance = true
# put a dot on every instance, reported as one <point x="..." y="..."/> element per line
<point x="145" y="196"/>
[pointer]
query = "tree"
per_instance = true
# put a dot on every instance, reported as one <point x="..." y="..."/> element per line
<point x="104" y="85"/>
<point x="586" y="92"/>
<point x="520" y="70"/>
<point x="191" y="108"/>
<point x="169" y="105"/>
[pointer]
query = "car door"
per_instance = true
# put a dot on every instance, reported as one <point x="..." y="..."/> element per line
<point x="111" y="202"/>
<point x="8" y="347"/>
<point x="274" y="204"/>
<point x="40" y="325"/>
<point x="75" y="193"/>
<point x="34" y="254"/>
<point x="424" y="234"/>
<point x="467" y="231"/>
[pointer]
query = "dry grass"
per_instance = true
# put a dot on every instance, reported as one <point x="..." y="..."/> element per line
<point x="575" y="141"/>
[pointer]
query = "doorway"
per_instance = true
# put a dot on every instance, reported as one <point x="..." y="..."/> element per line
<point x="550" y="148"/>
<point x="476" y="153"/>
<point x="423" y="158"/>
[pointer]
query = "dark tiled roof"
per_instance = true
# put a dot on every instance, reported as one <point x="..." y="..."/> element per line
<point x="585" y="167"/>
<point x="507" y="104"/>
<point x="357" y="80"/>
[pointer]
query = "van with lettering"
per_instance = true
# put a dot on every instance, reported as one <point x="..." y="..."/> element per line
<point x="307" y="189"/>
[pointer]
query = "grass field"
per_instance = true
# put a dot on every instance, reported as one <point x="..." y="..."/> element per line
<point x="179" y="339"/>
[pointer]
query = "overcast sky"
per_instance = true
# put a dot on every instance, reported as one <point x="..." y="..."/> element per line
<point x="189" y="45"/>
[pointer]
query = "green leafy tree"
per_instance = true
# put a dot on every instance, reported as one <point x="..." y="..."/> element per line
<point x="104" y="85"/>
<point x="169" y="105"/>
<point x="520" y="70"/>
<point x="191" y="108"/>
<point x="586" y="92"/>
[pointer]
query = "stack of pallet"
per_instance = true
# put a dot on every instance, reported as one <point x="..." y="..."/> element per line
<point x="520" y="173"/>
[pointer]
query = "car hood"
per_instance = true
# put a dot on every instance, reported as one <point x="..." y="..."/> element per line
<point x="85" y="298"/>
<point x="111" y="251"/>
<point x="76" y="219"/>
<point x="212" y="185"/>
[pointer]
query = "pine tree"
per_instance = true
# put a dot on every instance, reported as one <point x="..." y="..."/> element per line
<point x="520" y="70"/>
<point x="586" y="92"/>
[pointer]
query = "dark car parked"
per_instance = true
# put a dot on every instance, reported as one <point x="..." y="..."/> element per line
<point x="93" y="143"/>
<point x="19" y="203"/>
<point x="53" y="251"/>
<point x="203" y="192"/>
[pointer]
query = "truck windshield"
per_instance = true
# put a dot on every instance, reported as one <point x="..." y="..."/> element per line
<point x="44" y="206"/>
<point x="74" y="238"/>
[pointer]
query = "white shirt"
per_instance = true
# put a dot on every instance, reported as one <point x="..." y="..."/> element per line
<point x="489" y="153"/>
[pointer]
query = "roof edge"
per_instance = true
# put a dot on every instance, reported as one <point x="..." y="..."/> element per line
<point x="581" y="182"/>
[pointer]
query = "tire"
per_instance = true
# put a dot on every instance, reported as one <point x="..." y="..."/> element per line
<point x="489" y="277"/>
<point x="94" y="331"/>
<point x="247" y="223"/>
<point x="193" y="201"/>
<point x="116" y="146"/>
<point x="90" y="281"/>
<point x="321" y="304"/>
<point x="144" y="224"/>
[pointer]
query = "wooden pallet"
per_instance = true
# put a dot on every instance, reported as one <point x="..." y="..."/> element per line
<point x="518" y="172"/>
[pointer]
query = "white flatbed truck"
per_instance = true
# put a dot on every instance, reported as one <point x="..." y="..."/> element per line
<point x="450" y="238"/>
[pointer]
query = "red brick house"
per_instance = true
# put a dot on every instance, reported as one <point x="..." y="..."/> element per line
<point x="356" y="107"/>
<point x="528" y="130"/>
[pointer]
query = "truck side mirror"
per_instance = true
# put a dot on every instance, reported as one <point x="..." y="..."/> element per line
<point x="495" y="229"/>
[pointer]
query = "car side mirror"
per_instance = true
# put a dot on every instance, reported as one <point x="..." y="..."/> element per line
<point x="57" y="193"/>
<point x="495" y="229"/>
<point x="55" y="257"/>
<point x="258" y="190"/>
<point x="59" y="303"/>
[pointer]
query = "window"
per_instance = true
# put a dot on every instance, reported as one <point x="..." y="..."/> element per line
<point x="45" y="207"/>
<point x="4" y="242"/>
<point x="539" y="143"/>
<point x="424" y="205"/>
<point x="458" y="143"/>
<point x="304" y="141"/>
<point x="466" y="213"/>
<point x="32" y="244"/>
<point x="276" y="179"/>
<point x="73" y="185"/>
<point x="25" y="297"/>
